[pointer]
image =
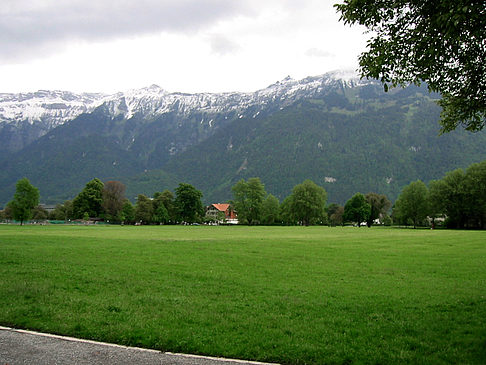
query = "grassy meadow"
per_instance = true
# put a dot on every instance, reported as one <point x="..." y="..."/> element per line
<point x="293" y="295"/>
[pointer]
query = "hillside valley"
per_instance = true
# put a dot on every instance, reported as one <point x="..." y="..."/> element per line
<point x="346" y="149"/>
<point x="345" y="134"/>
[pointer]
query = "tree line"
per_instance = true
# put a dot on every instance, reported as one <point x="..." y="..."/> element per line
<point x="458" y="201"/>
<point x="107" y="201"/>
<point x="306" y="205"/>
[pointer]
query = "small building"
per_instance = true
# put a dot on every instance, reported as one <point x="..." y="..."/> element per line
<point x="222" y="212"/>
<point x="48" y="207"/>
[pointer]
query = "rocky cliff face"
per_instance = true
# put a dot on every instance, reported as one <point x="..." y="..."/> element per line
<point x="25" y="117"/>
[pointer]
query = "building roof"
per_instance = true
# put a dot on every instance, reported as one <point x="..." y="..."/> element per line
<point x="221" y="207"/>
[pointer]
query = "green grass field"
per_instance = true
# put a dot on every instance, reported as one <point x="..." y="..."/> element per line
<point x="296" y="295"/>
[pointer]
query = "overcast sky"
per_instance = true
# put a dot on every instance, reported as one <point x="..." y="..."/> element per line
<point x="180" y="45"/>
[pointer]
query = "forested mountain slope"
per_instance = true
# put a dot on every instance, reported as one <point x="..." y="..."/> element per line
<point x="346" y="143"/>
<point x="346" y="135"/>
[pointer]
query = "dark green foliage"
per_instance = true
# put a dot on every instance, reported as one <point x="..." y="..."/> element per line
<point x="248" y="199"/>
<point x="96" y="144"/>
<point x="476" y="188"/>
<point x="367" y="140"/>
<point x="144" y="210"/>
<point x="379" y="206"/>
<point x="188" y="203"/>
<point x="447" y="196"/>
<point x="60" y="166"/>
<point x="113" y="198"/>
<point x="63" y="211"/>
<point x="413" y="203"/>
<point x="335" y="213"/>
<point x="89" y="201"/>
<point x="161" y="214"/>
<point x="357" y="209"/>
<point x="128" y="212"/>
<point x="439" y="42"/>
<point x="308" y="203"/>
<point x="39" y="213"/>
<point x="167" y="198"/>
<point x="285" y="212"/>
<point x="7" y="212"/>
<point x="25" y="199"/>
<point x="461" y="197"/>
<point x="387" y="221"/>
<point x="270" y="209"/>
<point x="380" y="144"/>
<point x="149" y="182"/>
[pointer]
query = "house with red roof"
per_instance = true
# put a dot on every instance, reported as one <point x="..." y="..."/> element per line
<point x="216" y="211"/>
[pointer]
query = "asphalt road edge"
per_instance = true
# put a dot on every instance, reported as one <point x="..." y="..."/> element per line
<point x="73" y="339"/>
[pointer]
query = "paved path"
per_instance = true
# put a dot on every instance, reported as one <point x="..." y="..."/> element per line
<point x="26" y="347"/>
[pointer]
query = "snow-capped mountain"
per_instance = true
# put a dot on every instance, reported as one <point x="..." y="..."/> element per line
<point x="25" y="117"/>
<point x="153" y="100"/>
<point x="50" y="107"/>
<point x="343" y="133"/>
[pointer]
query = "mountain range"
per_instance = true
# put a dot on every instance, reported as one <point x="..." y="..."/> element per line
<point x="344" y="133"/>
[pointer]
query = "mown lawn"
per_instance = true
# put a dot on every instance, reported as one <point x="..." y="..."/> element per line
<point x="293" y="295"/>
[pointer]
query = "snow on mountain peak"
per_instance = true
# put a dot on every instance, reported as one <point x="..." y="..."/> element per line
<point x="53" y="108"/>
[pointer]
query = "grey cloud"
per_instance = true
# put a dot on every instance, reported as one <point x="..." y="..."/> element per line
<point x="28" y="26"/>
<point x="221" y="45"/>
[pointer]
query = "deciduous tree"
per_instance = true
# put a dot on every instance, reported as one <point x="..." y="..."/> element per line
<point x="476" y="188"/>
<point x="89" y="200"/>
<point x="25" y="199"/>
<point x="113" y="198"/>
<point x="285" y="212"/>
<point x="357" y="209"/>
<point x="308" y="203"/>
<point x="439" y="42"/>
<point x="167" y="197"/>
<point x="413" y="202"/>
<point x="379" y="206"/>
<point x="144" y="209"/>
<point x="461" y="197"/>
<point x="63" y="211"/>
<point x="448" y="197"/>
<point x="39" y="213"/>
<point x="161" y="215"/>
<point x="270" y="207"/>
<point x="248" y="200"/>
<point x="188" y="203"/>
<point x="335" y="213"/>
<point x="128" y="212"/>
